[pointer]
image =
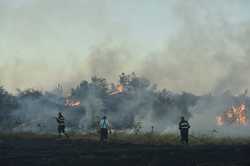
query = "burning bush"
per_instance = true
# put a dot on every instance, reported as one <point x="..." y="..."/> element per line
<point x="131" y="100"/>
<point x="236" y="115"/>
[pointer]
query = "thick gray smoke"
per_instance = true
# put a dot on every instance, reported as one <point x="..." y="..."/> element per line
<point x="209" y="107"/>
<point x="195" y="46"/>
<point x="35" y="112"/>
<point x="209" y="53"/>
<point x="140" y="102"/>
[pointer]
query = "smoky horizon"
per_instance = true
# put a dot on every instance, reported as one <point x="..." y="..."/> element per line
<point x="199" y="47"/>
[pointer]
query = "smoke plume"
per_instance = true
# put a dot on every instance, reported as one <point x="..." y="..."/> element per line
<point x="190" y="48"/>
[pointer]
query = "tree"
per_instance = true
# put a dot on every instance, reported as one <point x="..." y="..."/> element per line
<point x="29" y="93"/>
<point x="8" y="103"/>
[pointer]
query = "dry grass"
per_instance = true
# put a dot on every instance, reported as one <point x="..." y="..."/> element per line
<point x="143" y="138"/>
<point x="173" y="139"/>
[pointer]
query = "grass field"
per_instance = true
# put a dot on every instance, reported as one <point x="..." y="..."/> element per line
<point x="123" y="149"/>
<point x="143" y="138"/>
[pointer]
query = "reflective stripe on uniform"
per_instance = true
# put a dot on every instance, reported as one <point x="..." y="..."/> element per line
<point x="184" y="125"/>
<point x="104" y="124"/>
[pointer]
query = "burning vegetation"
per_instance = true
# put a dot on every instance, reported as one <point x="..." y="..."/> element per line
<point x="131" y="100"/>
<point x="233" y="116"/>
<point x="72" y="103"/>
<point x="119" y="89"/>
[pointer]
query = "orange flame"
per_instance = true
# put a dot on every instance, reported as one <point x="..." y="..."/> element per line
<point x="72" y="103"/>
<point x="119" y="89"/>
<point x="235" y="115"/>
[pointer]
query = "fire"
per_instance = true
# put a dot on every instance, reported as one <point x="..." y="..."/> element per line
<point x="235" y="115"/>
<point x="72" y="103"/>
<point x="119" y="89"/>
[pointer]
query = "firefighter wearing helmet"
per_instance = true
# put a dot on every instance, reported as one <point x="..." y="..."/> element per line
<point x="184" y="127"/>
<point x="61" y="124"/>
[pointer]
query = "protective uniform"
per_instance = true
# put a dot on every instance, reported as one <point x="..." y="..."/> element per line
<point x="61" y="124"/>
<point x="184" y="127"/>
<point x="104" y="126"/>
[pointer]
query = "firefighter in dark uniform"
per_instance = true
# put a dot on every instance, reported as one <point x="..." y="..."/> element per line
<point x="184" y="127"/>
<point x="104" y="127"/>
<point x="61" y="124"/>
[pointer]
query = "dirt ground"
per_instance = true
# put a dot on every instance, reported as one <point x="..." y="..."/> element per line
<point x="60" y="152"/>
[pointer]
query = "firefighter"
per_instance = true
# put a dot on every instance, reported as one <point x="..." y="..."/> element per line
<point x="184" y="127"/>
<point x="61" y="125"/>
<point x="104" y="127"/>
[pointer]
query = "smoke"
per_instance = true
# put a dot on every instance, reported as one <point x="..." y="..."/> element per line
<point x="140" y="103"/>
<point x="93" y="111"/>
<point x="208" y="53"/>
<point x="206" y="110"/>
<point x="35" y="114"/>
<point x="195" y="46"/>
<point x="52" y="37"/>
<point x="109" y="60"/>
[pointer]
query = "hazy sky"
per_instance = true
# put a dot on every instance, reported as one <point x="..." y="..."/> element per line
<point x="199" y="46"/>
